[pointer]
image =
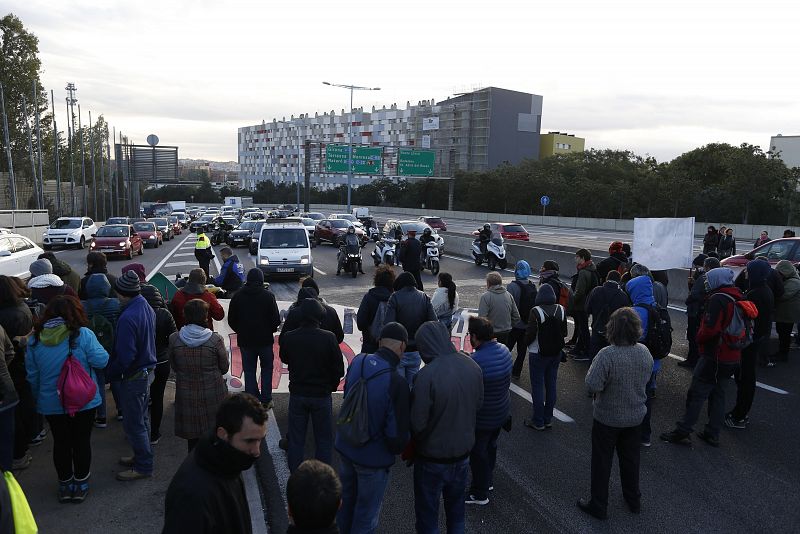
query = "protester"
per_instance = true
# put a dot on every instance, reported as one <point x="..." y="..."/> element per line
<point x="63" y="270"/>
<point x="409" y="255"/>
<point x="315" y="367"/>
<point x="660" y="293"/>
<point x="195" y="288"/>
<point x="200" y="360"/>
<point x="364" y="470"/>
<point x="788" y="233"/>
<point x="203" y="253"/>
<point x="253" y="314"/>
<point x="495" y="362"/>
<point x="313" y="497"/>
<point x="548" y="274"/>
<point x="727" y="245"/>
<point x="718" y="362"/>
<point x="787" y="309"/>
<point x="710" y="240"/>
<point x="445" y="299"/>
<point x="132" y="363"/>
<point x="695" y="307"/>
<point x="231" y="276"/>
<point x="523" y="291"/>
<point x="207" y="492"/>
<point x="60" y="332"/>
<point x="616" y="261"/>
<point x="410" y="307"/>
<point x="294" y="317"/>
<point x="370" y="306"/>
<point x="583" y="282"/>
<point x="447" y="394"/>
<point x="762" y="239"/>
<point x="617" y="378"/>
<point x="97" y="263"/>
<point x="498" y="306"/>
<point x="44" y="285"/>
<point x="8" y="403"/>
<point x="602" y="302"/>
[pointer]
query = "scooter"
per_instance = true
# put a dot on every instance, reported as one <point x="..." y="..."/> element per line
<point x="352" y="260"/>
<point x="495" y="253"/>
<point x="384" y="251"/>
<point x="432" y="257"/>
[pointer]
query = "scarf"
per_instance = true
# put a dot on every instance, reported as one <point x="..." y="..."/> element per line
<point x="45" y="280"/>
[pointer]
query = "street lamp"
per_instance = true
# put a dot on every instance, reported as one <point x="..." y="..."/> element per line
<point x="350" y="134"/>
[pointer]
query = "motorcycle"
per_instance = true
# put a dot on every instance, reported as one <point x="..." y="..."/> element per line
<point x="352" y="259"/>
<point x="384" y="251"/>
<point x="495" y="255"/>
<point x="220" y="235"/>
<point x="432" y="257"/>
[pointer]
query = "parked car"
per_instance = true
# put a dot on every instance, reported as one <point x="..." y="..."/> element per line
<point x="287" y="207"/>
<point x="348" y="217"/>
<point x="69" y="231"/>
<point x="434" y="222"/>
<point x="118" y="220"/>
<point x="511" y="231"/>
<point x="774" y="251"/>
<point x="150" y="234"/>
<point x="117" y="239"/>
<point x="202" y="223"/>
<point x="241" y="235"/>
<point x="177" y="227"/>
<point x="332" y="230"/>
<point x="16" y="254"/>
<point x="165" y="227"/>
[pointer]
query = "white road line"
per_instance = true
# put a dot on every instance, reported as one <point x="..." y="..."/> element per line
<point x="257" y="520"/>
<point x="184" y="254"/>
<point x="181" y="264"/>
<point x="772" y="388"/>
<point x="165" y="259"/>
<point x="561" y="416"/>
<point x="279" y="460"/>
<point x="323" y="273"/>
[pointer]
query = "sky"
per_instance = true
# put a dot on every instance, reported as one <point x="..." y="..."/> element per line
<point x="655" y="77"/>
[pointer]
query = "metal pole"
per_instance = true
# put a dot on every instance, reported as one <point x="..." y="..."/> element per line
<point x="30" y="151"/>
<point x="91" y="152"/>
<point x="83" y="163"/>
<point x="70" y="133"/>
<point x="114" y="173"/>
<point x="11" y="186"/>
<point x="102" y="181"/>
<point x="38" y="145"/>
<point x="350" y="151"/>
<point x="298" y="167"/>
<point x="55" y="153"/>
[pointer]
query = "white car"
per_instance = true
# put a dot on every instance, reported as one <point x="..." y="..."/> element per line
<point x="16" y="254"/>
<point x="69" y="231"/>
<point x="285" y="249"/>
<point x="310" y="225"/>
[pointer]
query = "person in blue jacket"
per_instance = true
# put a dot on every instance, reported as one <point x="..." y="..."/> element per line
<point x="61" y="331"/>
<point x="640" y="290"/>
<point x="231" y="275"/>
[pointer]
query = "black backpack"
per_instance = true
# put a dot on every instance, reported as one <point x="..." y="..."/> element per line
<point x="527" y="299"/>
<point x="549" y="332"/>
<point x="353" y="420"/>
<point x="658" y="338"/>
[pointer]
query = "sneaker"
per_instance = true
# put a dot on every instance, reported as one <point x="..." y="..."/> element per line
<point x="131" y="475"/>
<point x="531" y="424"/>
<point x="155" y="439"/>
<point x="677" y="436"/>
<point x="586" y="506"/>
<point x="100" y="422"/>
<point x="709" y="438"/>
<point x="21" y="463"/>
<point x="548" y="424"/>
<point x="472" y="499"/>
<point x="80" y="491"/>
<point x="730" y="422"/>
<point x="65" y="491"/>
<point x="39" y="438"/>
<point x="491" y="488"/>
<point x="127" y="461"/>
<point x="646" y="443"/>
<point x="687" y="363"/>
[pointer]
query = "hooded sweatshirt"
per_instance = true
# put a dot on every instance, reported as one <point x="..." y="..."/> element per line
<point x="760" y="294"/>
<point x="46" y="287"/>
<point x="97" y="301"/>
<point x="194" y="335"/>
<point x="294" y="318"/>
<point x="498" y="306"/>
<point x="410" y="307"/>
<point x="640" y="290"/>
<point x="516" y="288"/>
<point x="366" y="315"/>
<point x="253" y="314"/>
<point x="787" y="306"/>
<point x="719" y="310"/>
<point x="546" y="300"/>
<point x="447" y="394"/>
<point x="63" y="270"/>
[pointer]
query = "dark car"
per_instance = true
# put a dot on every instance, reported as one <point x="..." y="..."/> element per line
<point x="165" y="227"/>
<point x="202" y="223"/>
<point x="118" y="220"/>
<point x="150" y="234"/>
<point x="434" y="222"/>
<point x="241" y="235"/>
<point x="136" y="219"/>
<point x="332" y="230"/>
<point x="511" y="231"/>
<point x="774" y="251"/>
<point x="117" y="239"/>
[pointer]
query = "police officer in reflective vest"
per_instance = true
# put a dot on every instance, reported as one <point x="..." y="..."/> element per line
<point x="203" y="252"/>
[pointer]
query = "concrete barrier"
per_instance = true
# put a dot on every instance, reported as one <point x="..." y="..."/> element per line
<point x="27" y="223"/>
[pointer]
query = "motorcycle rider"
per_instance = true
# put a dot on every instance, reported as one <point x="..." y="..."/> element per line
<point x="427" y="237"/>
<point x="484" y="236"/>
<point x="350" y="240"/>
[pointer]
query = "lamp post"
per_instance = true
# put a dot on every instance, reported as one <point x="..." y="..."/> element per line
<point x="350" y="134"/>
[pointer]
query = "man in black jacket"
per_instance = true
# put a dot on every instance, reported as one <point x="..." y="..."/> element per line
<point x="330" y="322"/>
<point x="695" y="307"/>
<point x="410" y="307"/>
<point x="97" y="263"/>
<point x="253" y="314"/>
<point x="370" y="305"/>
<point x="410" y="253"/>
<point x="603" y="301"/>
<point x="315" y="367"/>
<point x="207" y="493"/>
<point x="616" y="261"/>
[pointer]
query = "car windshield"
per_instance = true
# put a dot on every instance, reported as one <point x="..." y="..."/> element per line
<point x="340" y="223"/>
<point x="777" y="250"/>
<point x="117" y="220"/>
<point x="513" y="228"/>
<point x="315" y="216"/>
<point x="144" y="227"/>
<point x="62" y="224"/>
<point x="307" y="222"/>
<point x="173" y="220"/>
<point x="113" y="231"/>
<point x="230" y="221"/>
<point x="283" y="238"/>
<point x="497" y="239"/>
<point x="160" y="222"/>
<point x="205" y="218"/>
<point x="433" y="220"/>
<point x="419" y="227"/>
<point x="247" y="225"/>
<point x="347" y="217"/>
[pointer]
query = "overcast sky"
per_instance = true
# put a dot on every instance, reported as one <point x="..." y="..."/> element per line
<point x="657" y="77"/>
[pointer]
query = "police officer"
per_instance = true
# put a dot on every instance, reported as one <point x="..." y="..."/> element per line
<point x="203" y="251"/>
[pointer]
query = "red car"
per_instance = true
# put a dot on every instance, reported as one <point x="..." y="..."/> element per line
<point x="775" y="251"/>
<point x="434" y="222"/>
<point x="150" y="234"/>
<point x="511" y="231"/>
<point x="333" y="229"/>
<point x="119" y="239"/>
<point x="177" y="227"/>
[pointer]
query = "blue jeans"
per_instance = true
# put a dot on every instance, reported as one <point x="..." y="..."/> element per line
<point x="250" y="357"/>
<point x="409" y="366"/>
<point x="544" y="373"/>
<point x="362" y="496"/>
<point x="482" y="460"/>
<point x="431" y="481"/>
<point x="320" y="410"/>
<point x="134" y="396"/>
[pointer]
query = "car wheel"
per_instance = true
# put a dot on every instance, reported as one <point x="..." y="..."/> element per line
<point x="317" y="240"/>
<point x="82" y="243"/>
<point x="141" y="249"/>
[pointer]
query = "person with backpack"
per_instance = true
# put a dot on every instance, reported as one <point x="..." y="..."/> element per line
<point x="97" y="263"/>
<point x="616" y="261"/>
<point x="523" y="291"/>
<point x="63" y="270"/>
<point x="445" y="300"/>
<point x="617" y="379"/>
<point x="583" y="282"/>
<point x="602" y="302"/>
<point x="720" y="355"/>
<point x="410" y="307"/>
<point x="498" y="306"/>
<point x="374" y="428"/>
<point x="695" y="308"/>
<point x="44" y="285"/>
<point x="787" y="309"/>
<point x="544" y="339"/>
<point x="61" y="362"/>
<point x="102" y="313"/>
<point x="371" y="315"/>
<point x="494" y="360"/>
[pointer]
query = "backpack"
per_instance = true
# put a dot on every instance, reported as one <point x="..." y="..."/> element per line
<point x="102" y="327"/>
<point x="527" y="298"/>
<point x="549" y="334"/>
<point x="74" y="386"/>
<point x="738" y="334"/>
<point x="565" y="296"/>
<point x="353" y="420"/>
<point x="378" y="321"/>
<point x="658" y="338"/>
<point x="37" y="308"/>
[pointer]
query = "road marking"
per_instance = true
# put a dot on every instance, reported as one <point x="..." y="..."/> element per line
<point x="257" y="521"/>
<point x="279" y="459"/>
<point x="772" y="388"/>
<point x="323" y="273"/>
<point x="165" y="259"/>
<point x="184" y="254"/>
<point x="181" y="263"/>
<point x="561" y="416"/>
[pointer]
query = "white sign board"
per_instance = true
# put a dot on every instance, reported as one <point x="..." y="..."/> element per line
<point x="663" y="243"/>
<point x="430" y="123"/>
<point x="426" y="141"/>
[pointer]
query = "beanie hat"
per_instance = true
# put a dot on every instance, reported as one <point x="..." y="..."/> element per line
<point x="550" y="265"/>
<point x="615" y="246"/>
<point x="128" y="284"/>
<point x="255" y="277"/>
<point x="394" y="331"/>
<point x="546" y="295"/>
<point x="138" y="268"/>
<point x="40" y="267"/>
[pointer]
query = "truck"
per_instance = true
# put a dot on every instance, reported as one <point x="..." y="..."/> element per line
<point x="239" y="202"/>
<point x="360" y="212"/>
<point x="177" y="205"/>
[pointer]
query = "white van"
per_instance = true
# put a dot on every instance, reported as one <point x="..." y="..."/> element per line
<point x="285" y="249"/>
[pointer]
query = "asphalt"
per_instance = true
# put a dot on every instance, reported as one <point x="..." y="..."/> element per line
<point x="751" y="483"/>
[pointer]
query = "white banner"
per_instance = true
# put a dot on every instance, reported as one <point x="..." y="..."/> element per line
<point x="430" y="123"/>
<point x="663" y="243"/>
<point x="426" y="141"/>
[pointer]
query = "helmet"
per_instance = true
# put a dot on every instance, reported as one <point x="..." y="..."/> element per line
<point x="351" y="229"/>
<point x="487" y="226"/>
<point x="427" y="231"/>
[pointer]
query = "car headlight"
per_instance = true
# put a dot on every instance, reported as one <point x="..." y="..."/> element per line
<point x="92" y="244"/>
<point x="304" y="260"/>
<point x="152" y="237"/>
<point x="263" y="261"/>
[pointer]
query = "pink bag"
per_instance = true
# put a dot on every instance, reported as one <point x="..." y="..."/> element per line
<point x="75" y="387"/>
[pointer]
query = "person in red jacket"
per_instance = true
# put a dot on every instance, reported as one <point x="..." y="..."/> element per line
<point x="195" y="289"/>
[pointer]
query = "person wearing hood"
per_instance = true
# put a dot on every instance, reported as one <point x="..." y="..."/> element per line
<point x="616" y="261"/>
<point x="316" y="366"/>
<point x="583" y="282"/>
<point x="787" y="309"/>
<point x="231" y="275"/>
<point x="602" y="302"/>
<point x="97" y="263"/>
<point x="710" y="240"/>
<point x="718" y="362"/>
<point x="63" y="270"/>
<point x="409" y="256"/>
<point x="294" y="317"/>
<point x="695" y="307"/>
<point x="660" y="293"/>
<point x="253" y="314"/>
<point x="761" y="295"/>
<point x="498" y="306"/>
<point x="523" y="291"/>
<point x="200" y="360"/>
<point x="207" y="493"/>
<point x="195" y="288"/>
<point x="45" y="285"/>
<point x="410" y="307"/>
<point x="445" y="400"/>
<point x="370" y="305"/>
<point x="59" y="332"/>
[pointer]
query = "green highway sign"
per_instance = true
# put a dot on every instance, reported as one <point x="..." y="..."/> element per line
<point x="415" y="162"/>
<point x="366" y="159"/>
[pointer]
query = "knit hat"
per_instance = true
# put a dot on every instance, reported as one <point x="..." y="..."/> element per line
<point x="138" y="268"/>
<point x="615" y="246"/>
<point x="40" y="267"/>
<point x="639" y="270"/>
<point x="255" y="277"/>
<point x="128" y="284"/>
<point x="394" y="331"/>
<point x="550" y="265"/>
<point x="546" y="295"/>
